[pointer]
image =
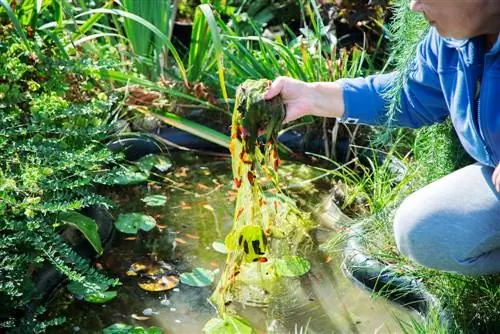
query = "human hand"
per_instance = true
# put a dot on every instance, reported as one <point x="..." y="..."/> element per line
<point x="300" y="98"/>
<point x="294" y="95"/>
<point x="496" y="178"/>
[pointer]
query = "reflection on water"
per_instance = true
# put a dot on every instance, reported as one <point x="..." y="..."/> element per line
<point x="199" y="211"/>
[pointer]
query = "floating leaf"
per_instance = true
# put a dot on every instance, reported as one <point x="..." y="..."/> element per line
<point x="163" y="283"/>
<point x="84" y="224"/>
<point x="292" y="266"/>
<point x="219" y="247"/>
<point x="155" y="200"/>
<point x="129" y="329"/>
<point x="228" y="325"/>
<point x="198" y="277"/>
<point x="159" y="162"/>
<point x="131" y="222"/>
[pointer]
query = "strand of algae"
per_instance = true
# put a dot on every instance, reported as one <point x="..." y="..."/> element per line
<point x="269" y="231"/>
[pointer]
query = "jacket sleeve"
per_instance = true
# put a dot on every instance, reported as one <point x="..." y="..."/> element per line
<point x="421" y="101"/>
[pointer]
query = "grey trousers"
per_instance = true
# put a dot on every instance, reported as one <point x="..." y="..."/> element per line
<point x="453" y="224"/>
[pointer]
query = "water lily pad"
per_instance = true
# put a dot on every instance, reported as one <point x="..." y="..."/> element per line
<point x="131" y="222"/>
<point x="228" y="325"/>
<point x="155" y="200"/>
<point x="220" y="247"/>
<point x="198" y="277"/>
<point x="292" y="266"/>
<point x="129" y="329"/>
<point x="151" y="161"/>
<point x="161" y="283"/>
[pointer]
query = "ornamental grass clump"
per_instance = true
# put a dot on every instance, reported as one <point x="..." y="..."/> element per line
<point x="269" y="238"/>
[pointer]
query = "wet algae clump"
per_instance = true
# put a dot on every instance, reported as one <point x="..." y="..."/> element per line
<point x="269" y="237"/>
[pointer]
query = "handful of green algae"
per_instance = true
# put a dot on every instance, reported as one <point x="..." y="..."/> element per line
<point x="269" y="230"/>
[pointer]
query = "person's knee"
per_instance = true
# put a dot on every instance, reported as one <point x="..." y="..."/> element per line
<point x="407" y="227"/>
<point x="417" y="232"/>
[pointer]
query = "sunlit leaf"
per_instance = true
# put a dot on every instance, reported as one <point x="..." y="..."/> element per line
<point x="155" y="200"/>
<point x="84" y="224"/>
<point x="129" y="329"/>
<point x="198" y="277"/>
<point x="163" y="283"/>
<point x="228" y="325"/>
<point x="131" y="222"/>
<point x="292" y="266"/>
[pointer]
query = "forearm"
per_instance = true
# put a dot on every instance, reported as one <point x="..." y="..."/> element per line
<point x="326" y="99"/>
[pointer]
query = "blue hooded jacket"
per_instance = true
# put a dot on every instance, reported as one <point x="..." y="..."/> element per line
<point x="448" y="77"/>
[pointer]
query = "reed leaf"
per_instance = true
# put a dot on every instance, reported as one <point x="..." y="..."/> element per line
<point x="219" y="51"/>
<point x="154" y="30"/>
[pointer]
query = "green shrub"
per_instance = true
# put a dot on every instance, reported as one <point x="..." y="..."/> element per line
<point x="54" y="121"/>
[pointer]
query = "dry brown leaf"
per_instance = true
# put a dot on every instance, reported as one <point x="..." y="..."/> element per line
<point x="139" y="317"/>
<point x="130" y="238"/>
<point x="208" y="207"/>
<point x="191" y="236"/>
<point x="161" y="227"/>
<point x="202" y="186"/>
<point x="180" y="240"/>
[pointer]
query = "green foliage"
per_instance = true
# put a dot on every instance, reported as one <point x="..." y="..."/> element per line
<point x="54" y="120"/>
<point x="439" y="152"/>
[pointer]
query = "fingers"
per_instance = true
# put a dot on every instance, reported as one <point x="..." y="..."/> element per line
<point x="496" y="178"/>
<point x="275" y="88"/>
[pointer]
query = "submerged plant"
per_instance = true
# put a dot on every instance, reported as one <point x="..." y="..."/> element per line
<point x="269" y="234"/>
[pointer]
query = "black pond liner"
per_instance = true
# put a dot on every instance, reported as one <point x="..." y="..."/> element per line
<point x="381" y="279"/>
<point x="167" y="139"/>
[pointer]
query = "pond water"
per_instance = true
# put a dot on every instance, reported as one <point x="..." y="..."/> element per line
<point x="199" y="211"/>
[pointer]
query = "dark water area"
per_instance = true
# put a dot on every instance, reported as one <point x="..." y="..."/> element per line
<point x="198" y="212"/>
